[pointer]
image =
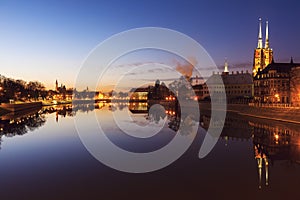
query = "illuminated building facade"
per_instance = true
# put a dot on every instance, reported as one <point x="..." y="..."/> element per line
<point x="272" y="84"/>
<point x="139" y="94"/>
<point x="263" y="56"/>
<point x="60" y="93"/>
<point x="295" y="86"/>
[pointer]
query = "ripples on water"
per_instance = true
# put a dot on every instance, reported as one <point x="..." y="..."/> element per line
<point x="42" y="157"/>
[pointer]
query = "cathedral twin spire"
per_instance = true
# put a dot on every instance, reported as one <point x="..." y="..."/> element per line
<point x="263" y="55"/>
<point x="260" y="42"/>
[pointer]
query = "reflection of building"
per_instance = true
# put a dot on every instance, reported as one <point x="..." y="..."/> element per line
<point x="138" y="107"/>
<point x="262" y="165"/>
<point x="274" y="82"/>
<point x="234" y="128"/>
<point x="274" y="143"/>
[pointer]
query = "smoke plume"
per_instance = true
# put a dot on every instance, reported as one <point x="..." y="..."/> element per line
<point x="186" y="69"/>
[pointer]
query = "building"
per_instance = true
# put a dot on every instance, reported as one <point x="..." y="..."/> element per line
<point x="159" y="91"/>
<point x="139" y="94"/>
<point x="60" y="93"/>
<point x="263" y="56"/>
<point x="274" y="83"/>
<point x="237" y="86"/>
<point x="295" y="86"/>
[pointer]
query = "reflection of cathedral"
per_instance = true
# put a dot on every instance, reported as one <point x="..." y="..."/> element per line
<point x="262" y="164"/>
<point x="274" y="143"/>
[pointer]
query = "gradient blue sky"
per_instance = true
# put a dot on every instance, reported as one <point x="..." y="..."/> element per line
<point x="48" y="40"/>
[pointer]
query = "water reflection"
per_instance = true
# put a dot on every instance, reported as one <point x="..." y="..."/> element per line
<point x="273" y="144"/>
<point x="160" y="110"/>
<point x="20" y="123"/>
<point x="272" y="141"/>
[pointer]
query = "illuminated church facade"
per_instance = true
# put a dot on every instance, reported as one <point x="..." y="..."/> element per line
<point x="263" y="56"/>
<point x="274" y="83"/>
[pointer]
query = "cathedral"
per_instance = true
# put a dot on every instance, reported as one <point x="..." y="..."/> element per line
<point x="263" y="56"/>
<point x="274" y="83"/>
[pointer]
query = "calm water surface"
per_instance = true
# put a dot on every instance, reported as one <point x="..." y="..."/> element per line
<point x="42" y="157"/>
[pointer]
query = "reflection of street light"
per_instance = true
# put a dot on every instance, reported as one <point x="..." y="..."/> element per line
<point x="277" y="97"/>
<point x="276" y="138"/>
<point x="1" y="89"/>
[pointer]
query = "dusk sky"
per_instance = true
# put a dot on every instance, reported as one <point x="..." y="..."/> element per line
<point x="49" y="40"/>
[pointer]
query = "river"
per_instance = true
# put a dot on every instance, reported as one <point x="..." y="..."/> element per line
<point x="43" y="157"/>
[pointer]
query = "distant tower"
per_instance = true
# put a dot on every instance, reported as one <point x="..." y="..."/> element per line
<point x="226" y="67"/>
<point x="56" y="85"/>
<point x="262" y="55"/>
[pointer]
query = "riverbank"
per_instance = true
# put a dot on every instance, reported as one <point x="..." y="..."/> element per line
<point x="17" y="107"/>
<point x="286" y="114"/>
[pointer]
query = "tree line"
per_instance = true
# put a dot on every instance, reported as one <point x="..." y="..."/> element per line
<point x="11" y="89"/>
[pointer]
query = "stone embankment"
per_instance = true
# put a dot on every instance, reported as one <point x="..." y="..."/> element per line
<point x="284" y="114"/>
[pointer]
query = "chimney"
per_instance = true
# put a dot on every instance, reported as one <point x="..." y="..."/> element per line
<point x="237" y="72"/>
<point x="247" y="71"/>
<point x="242" y="72"/>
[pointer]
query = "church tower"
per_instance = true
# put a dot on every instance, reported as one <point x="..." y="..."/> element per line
<point x="262" y="55"/>
<point x="226" y="71"/>
<point x="56" y="85"/>
<point x="268" y="52"/>
<point x="258" y="52"/>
